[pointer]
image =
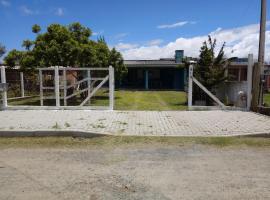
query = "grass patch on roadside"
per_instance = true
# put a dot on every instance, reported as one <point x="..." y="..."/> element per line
<point x="116" y="141"/>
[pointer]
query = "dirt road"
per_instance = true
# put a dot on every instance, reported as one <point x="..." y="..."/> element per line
<point x="128" y="172"/>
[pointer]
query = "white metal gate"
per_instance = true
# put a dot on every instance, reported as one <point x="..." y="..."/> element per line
<point x="60" y="87"/>
<point x="192" y="80"/>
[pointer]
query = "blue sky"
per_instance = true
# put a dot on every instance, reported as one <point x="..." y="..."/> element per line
<point x="139" y="29"/>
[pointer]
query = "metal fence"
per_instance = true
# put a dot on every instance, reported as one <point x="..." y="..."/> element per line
<point x="59" y="88"/>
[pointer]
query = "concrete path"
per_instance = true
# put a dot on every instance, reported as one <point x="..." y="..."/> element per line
<point x="153" y="123"/>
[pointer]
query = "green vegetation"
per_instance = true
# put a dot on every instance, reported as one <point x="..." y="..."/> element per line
<point x="210" y="68"/>
<point x="150" y="100"/>
<point x="67" y="125"/>
<point x="126" y="100"/>
<point x="266" y="99"/>
<point x="65" y="46"/>
<point x="56" y="126"/>
<point x="116" y="141"/>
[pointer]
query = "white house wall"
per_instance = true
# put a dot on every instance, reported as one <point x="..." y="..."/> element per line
<point x="229" y="91"/>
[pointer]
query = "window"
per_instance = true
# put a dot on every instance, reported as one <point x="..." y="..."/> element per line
<point x="243" y="74"/>
<point x="233" y="74"/>
<point x="237" y="74"/>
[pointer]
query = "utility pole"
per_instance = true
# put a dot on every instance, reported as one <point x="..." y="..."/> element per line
<point x="258" y="71"/>
<point x="262" y="48"/>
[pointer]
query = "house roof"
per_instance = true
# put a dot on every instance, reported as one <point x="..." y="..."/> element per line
<point x="152" y="63"/>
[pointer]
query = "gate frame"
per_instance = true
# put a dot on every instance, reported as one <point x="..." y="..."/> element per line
<point x="221" y="106"/>
<point x="4" y="81"/>
<point x="56" y="88"/>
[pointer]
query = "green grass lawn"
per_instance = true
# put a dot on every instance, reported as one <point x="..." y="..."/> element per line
<point x="150" y="100"/>
<point x="126" y="100"/>
<point x="266" y="99"/>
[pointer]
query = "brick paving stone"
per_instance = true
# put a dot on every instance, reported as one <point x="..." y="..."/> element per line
<point x="157" y="123"/>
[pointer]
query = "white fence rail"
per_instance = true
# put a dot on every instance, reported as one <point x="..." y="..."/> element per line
<point x="190" y="90"/>
<point x="248" y="85"/>
<point x="57" y="88"/>
<point x="4" y="92"/>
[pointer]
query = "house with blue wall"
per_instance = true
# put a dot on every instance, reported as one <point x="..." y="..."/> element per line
<point x="165" y="73"/>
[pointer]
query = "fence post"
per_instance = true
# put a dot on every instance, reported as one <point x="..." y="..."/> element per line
<point x="3" y="80"/>
<point x="22" y="84"/>
<point x="111" y="87"/>
<point x="190" y="86"/>
<point x="56" y="86"/>
<point x="249" y="80"/>
<point x="89" y="83"/>
<point x="65" y="85"/>
<point x="41" y="87"/>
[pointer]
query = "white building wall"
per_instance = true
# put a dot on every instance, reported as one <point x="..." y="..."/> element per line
<point x="228" y="92"/>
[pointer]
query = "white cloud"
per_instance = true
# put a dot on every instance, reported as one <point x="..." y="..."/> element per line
<point x="27" y="11"/>
<point x="155" y="42"/>
<point x="5" y="3"/>
<point x="239" y="42"/>
<point x="178" y="24"/>
<point x="120" y="35"/>
<point x="97" y="33"/>
<point x="124" y="46"/>
<point x="59" y="12"/>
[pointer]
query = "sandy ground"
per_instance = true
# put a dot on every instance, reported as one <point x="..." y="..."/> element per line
<point x="145" y="172"/>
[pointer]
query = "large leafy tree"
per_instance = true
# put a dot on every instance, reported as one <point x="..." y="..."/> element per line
<point x="210" y="69"/>
<point x="121" y="70"/>
<point x="13" y="58"/>
<point x="66" y="46"/>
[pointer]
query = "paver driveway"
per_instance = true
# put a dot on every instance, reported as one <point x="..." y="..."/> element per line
<point x="171" y="123"/>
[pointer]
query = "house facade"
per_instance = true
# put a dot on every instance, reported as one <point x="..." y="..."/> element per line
<point x="237" y="73"/>
<point x="165" y="73"/>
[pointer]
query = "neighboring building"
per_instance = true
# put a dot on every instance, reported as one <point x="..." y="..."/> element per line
<point x="165" y="73"/>
<point x="237" y="80"/>
<point x="267" y="77"/>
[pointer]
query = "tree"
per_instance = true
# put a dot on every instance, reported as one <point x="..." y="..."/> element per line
<point x="117" y="61"/>
<point x="36" y="28"/>
<point x="66" y="46"/>
<point x="27" y="44"/>
<point x="210" y="69"/>
<point x="2" y="50"/>
<point x="80" y="33"/>
<point x="13" y="58"/>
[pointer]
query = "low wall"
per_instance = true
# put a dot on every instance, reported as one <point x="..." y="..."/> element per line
<point x="228" y="92"/>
